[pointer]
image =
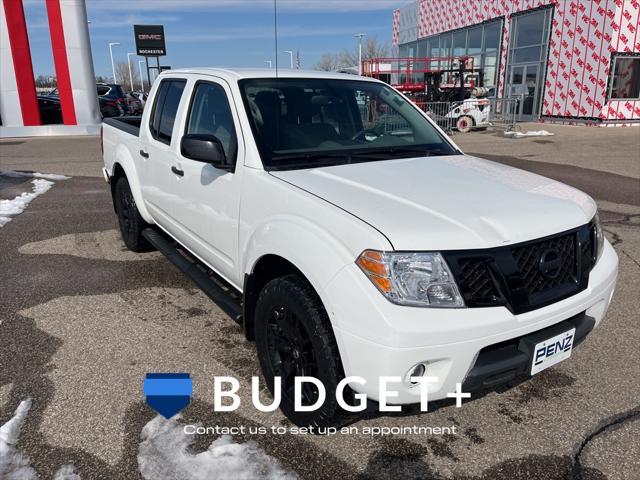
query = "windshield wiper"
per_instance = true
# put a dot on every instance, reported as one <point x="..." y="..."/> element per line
<point x="316" y="159"/>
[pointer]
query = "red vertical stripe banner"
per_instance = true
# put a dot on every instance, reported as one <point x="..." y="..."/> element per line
<point x="22" y="65"/>
<point x="58" y="44"/>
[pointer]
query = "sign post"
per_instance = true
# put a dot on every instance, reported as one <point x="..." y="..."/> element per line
<point x="150" y="43"/>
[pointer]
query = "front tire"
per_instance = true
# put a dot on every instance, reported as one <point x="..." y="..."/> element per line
<point x="294" y="338"/>
<point x="129" y="219"/>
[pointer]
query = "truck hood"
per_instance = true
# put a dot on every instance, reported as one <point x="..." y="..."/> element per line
<point x="448" y="202"/>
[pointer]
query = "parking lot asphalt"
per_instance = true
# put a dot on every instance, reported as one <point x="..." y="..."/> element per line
<point x="83" y="321"/>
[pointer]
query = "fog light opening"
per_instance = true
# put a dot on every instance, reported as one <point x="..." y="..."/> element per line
<point x="418" y="370"/>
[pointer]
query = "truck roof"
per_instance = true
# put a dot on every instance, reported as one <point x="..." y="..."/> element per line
<point x="240" y="73"/>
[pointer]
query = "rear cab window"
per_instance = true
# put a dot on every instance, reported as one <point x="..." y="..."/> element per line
<point x="165" y="108"/>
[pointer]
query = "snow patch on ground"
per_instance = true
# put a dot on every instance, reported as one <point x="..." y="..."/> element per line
<point x="14" y="465"/>
<point x="532" y="133"/>
<point x="46" y="176"/>
<point x="163" y="454"/>
<point x="11" y="208"/>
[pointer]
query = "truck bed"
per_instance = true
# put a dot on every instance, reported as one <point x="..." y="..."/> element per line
<point x="130" y="124"/>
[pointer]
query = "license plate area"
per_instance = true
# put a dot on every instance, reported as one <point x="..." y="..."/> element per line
<point x="552" y="351"/>
<point x="548" y="347"/>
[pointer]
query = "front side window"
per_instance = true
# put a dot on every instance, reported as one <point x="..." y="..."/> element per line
<point x="625" y="78"/>
<point x="211" y="115"/>
<point x="304" y="123"/>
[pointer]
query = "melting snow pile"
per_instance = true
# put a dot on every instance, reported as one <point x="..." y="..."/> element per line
<point x="532" y="133"/>
<point x="11" y="208"/>
<point x="163" y="454"/>
<point x="41" y="183"/>
<point x="13" y="464"/>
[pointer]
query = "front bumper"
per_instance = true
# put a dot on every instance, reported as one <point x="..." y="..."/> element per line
<point x="377" y="338"/>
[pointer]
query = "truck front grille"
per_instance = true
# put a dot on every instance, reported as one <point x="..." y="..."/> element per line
<point x="528" y="259"/>
<point x="526" y="276"/>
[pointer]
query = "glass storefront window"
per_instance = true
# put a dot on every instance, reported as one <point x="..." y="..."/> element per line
<point x="492" y="33"/>
<point x="482" y="42"/>
<point x="445" y="45"/>
<point x="460" y="43"/>
<point x="530" y="29"/>
<point x="625" y="81"/>
<point x="474" y="42"/>
<point x="527" y="54"/>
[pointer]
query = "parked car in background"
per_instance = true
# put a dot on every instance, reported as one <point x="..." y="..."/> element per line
<point x="50" y="110"/>
<point x="142" y="96"/>
<point x="110" y="108"/>
<point x="111" y="91"/>
<point x="135" y="105"/>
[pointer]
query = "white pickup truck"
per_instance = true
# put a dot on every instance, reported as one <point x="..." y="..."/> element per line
<point x="350" y="245"/>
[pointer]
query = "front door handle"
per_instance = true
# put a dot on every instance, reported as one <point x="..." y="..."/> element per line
<point x="144" y="154"/>
<point x="177" y="171"/>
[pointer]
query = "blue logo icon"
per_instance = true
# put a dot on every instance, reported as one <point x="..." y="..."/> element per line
<point x="168" y="393"/>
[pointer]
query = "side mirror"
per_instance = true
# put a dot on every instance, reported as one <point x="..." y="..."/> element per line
<point x="204" y="148"/>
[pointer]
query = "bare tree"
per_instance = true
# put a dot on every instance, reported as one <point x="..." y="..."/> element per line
<point x="328" y="62"/>
<point x="46" y="81"/>
<point x="371" y="48"/>
<point x="122" y="75"/>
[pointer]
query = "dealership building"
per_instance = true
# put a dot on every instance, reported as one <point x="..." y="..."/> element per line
<point x="569" y="61"/>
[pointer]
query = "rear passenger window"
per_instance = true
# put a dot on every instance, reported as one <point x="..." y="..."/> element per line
<point x="165" y="109"/>
<point x="211" y="115"/>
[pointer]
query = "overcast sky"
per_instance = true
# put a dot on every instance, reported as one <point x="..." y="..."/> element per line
<point x="235" y="33"/>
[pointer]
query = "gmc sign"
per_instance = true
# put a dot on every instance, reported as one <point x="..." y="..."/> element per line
<point x="150" y="40"/>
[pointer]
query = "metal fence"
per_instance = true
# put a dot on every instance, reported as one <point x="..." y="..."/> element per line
<point x="439" y="112"/>
<point x="453" y="117"/>
<point x="504" y="113"/>
<point x="473" y="114"/>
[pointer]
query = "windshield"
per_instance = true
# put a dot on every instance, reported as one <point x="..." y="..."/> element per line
<point x="306" y="123"/>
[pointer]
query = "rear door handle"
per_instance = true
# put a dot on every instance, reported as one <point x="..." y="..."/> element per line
<point x="178" y="172"/>
<point x="144" y="154"/>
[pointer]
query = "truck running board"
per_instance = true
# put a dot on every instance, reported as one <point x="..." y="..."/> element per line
<point x="225" y="296"/>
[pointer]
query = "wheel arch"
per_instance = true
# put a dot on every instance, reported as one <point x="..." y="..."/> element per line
<point x="124" y="167"/>
<point x="267" y="268"/>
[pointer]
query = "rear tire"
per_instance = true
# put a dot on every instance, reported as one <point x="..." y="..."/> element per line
<point x="129" y="219"/>
<point x="294" y="338"/>
<point x="464" y="124"/>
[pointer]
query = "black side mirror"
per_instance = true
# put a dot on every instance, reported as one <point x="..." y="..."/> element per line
<point x="204" y="148"/>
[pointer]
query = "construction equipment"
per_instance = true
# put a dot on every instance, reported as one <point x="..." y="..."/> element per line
<point x="435" y="80"/>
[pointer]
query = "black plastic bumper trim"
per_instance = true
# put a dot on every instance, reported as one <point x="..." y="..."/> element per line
<point x="505" y="361"/>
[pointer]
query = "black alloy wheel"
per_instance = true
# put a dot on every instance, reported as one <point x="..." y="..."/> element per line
<point x="129" y="219"/>
<point x="294" y="338"/>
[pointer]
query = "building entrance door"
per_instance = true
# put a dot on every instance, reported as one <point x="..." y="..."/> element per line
<point x="528" y="45"/>
<point x="525" y="84"/>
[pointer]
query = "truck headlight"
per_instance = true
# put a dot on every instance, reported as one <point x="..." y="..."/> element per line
<point x="416" y="279"/>
<point x="599" y="234"/>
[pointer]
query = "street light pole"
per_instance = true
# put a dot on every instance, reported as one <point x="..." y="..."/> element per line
<point x="140" y="62"/>
<point x="113" y="67"/>
<point x="359" y="37"/>
<point x="290" y="52"/>
<point x="130" y="73"/>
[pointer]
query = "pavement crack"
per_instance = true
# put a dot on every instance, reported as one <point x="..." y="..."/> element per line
<point x="616" y="421"/>
<point x="631" y="258"/>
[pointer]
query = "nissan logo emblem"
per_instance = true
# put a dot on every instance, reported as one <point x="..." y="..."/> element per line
<point x="550" y="263"/>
